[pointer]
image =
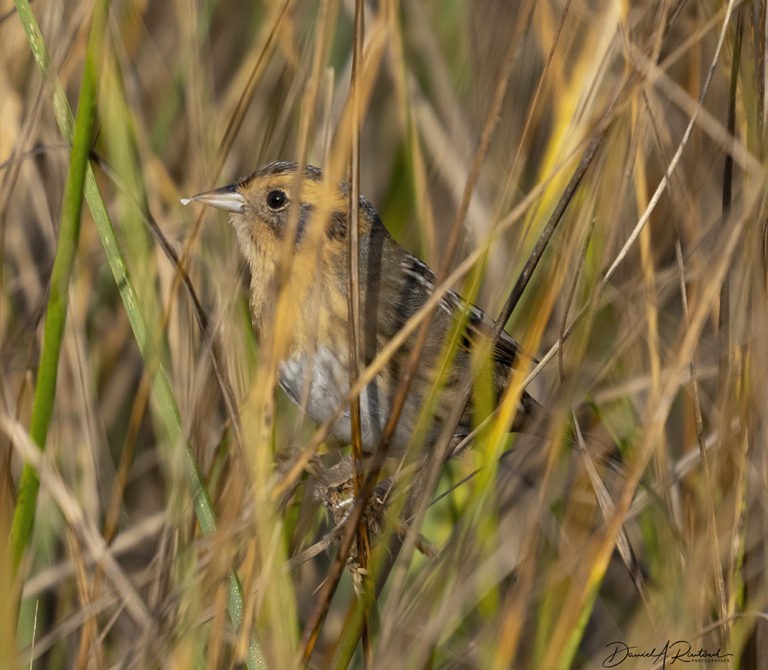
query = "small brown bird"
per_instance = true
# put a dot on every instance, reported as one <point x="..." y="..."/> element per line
<point x="393" y="286"/>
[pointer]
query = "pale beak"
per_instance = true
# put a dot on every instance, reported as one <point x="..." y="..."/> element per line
<point x="226" y="198"/>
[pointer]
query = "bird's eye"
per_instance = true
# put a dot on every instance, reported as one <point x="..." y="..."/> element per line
<point x="276" y="199"/>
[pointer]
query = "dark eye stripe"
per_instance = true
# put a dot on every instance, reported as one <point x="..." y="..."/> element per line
<point x="304" y="214"/>
<point x="337" y="226"/>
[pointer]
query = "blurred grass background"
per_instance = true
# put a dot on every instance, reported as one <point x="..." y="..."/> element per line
<point x="666" y="366"/>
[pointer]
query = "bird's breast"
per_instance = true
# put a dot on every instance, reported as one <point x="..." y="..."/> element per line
<point x="318" y="382"/>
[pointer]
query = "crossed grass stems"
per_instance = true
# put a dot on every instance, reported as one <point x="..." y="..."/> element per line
<point x="422" y="319"/>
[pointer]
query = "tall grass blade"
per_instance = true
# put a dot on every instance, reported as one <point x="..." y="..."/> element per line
<point x="162" y="391"/>
<point x="69" y="232"/>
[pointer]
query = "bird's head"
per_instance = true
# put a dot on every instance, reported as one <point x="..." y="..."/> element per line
<point x="267" y="204"/>
<point x="272" y="204"/>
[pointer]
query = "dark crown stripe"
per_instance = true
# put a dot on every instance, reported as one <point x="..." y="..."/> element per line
<point x="280" y="168"/>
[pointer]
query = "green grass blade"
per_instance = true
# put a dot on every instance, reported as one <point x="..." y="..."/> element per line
<point x="161" y="388"/>
<point x="56" y="314"/>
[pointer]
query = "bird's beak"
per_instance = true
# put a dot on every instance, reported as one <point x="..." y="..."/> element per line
<point x="226" y="198"/>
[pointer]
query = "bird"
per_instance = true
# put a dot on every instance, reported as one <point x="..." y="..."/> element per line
<point x="313" y="368"/>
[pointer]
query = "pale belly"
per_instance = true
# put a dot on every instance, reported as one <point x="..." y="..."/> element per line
<point x="328" y="384"/>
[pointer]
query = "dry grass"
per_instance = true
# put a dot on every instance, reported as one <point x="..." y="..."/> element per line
<point x="647" y="309"/>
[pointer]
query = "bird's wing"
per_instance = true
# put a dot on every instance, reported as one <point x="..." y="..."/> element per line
<point x="419" y="282"/>
<point x="479" y="326"/>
